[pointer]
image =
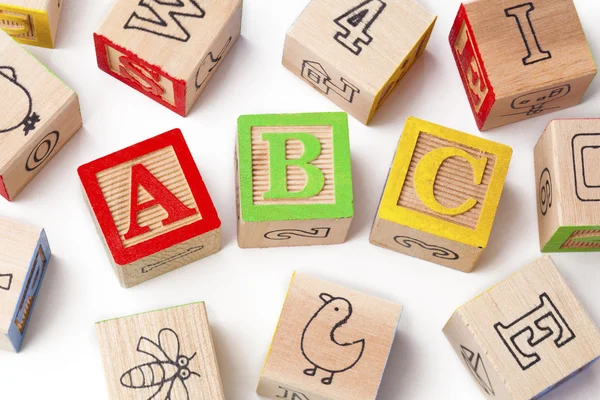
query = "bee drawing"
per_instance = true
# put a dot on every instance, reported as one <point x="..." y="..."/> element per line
<point x="167" y="373"/>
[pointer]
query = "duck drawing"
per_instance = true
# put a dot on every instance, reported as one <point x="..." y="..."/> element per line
<point x="319" y="344"/>
<point x="21" y="105"/>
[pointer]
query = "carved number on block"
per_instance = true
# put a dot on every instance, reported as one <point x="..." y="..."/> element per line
<point x="42" y="151"/>
<point x="437" y="251"/>
<point x="478" y="370"/>
<point x="319" y="331"/>
<point x="20" y="97"/>
<point x="356" y="23"/>
<point x="545" y="191"/>
<point x="522" y="15"/>
<point x="168" y="370"/>
<point x="316" y="75"/>
<point x="541" y="323"/>
<point x="290" y="394"/>
<point x="6" y="281"/>
<point x="164" y="18"/>
<point x="285" y="234"/>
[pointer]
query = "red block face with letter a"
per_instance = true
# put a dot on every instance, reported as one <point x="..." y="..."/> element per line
<point x="152" y="206"/>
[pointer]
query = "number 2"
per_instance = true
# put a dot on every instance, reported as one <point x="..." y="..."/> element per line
<point x="356" y="23"/>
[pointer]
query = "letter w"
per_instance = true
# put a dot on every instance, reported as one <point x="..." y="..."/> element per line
<point x="164" y="15"/>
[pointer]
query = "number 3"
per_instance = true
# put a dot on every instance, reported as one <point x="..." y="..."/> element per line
<point x="356" y="23"/>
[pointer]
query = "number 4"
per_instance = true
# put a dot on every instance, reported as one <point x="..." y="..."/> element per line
<point x="356" y="23"/>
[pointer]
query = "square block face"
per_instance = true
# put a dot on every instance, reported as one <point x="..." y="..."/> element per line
<point x="162" y="354"/>
<point x="545" y="63"/>
<point x="430" y="163"/>
<point x="32" y="22"/>
<point x="24" y="258"/>
<point x="567" y="161"/>
<point x="304" y="358"/>
<point x="533" y="329"/>
<point x="148" y="197"/>
<point x="294" y="167"/>
<point x="355" y="52"/>
<point x="38" y="115"/>
<point x="187" y="40"/>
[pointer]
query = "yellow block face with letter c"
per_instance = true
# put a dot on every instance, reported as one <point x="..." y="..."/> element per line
<point x="26" y="25"/>
<point x="445" y="183"/>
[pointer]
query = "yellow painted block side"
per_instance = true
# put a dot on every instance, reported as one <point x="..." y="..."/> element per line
<point x="26" y="20"/>
<point x="391" y="211"/>
<point x="403" y="68"/>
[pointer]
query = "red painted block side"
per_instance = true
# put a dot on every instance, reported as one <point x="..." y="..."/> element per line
<point x="145" y="72"/>
<point x="3" y="191"/>
<point x="122" y="255"/>
<point x="464" y="62"/>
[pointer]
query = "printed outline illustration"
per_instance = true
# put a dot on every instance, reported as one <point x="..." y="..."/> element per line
<point x="476" y="366"/>
<point x="537" y="107"/>
<point x="162" y="361"/>
<point x="30" y="118"/>
<point x="581" y="184"/>
<point x="354" y="18"/>
<point x="316" y="75"/>
<point x="329" y="301"/>
<point x="148" y="268"/>
<point x="542" y="55"/>
<point x="295" y="394"/>
<point x="437" y="251"/>
<point x="215" y="63"/>
<point x="7" y="285"/>
<point x="162" y="21"/>
<point x="548" y="311"/>
<point x="545" y="191"/>
<point x="51" y="140"/>
<point x="286" y="234"/>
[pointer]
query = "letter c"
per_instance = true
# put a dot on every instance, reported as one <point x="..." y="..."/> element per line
<point x="426" y="174"/>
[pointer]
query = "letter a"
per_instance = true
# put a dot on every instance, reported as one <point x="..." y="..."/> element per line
<point x="278" y="163"/>
<point x="176" y="210"/>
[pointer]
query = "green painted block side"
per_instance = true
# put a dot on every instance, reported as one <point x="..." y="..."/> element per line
<point x="344" y="201"/>
<point x="563" y="234"/>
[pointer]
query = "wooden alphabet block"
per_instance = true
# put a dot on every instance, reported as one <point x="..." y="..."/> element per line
<point x="33" y="22"/>
<point x="164" y="354"/>
<point x="151" y="207"/>
<point x="38" y="115"/>
<point x="355" y="51"/>
<point x="167" y="50"/>
<point x="567" y="170"/>
<point x="441" y="196"/>
<point x="524" y="336"/>
<point x="520" y="59"/>
<point x="331" y="343"/>
<point x="294" y="180"/>
<point x="24" y="257"/>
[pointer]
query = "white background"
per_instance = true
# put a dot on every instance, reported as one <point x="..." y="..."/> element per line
<point x="244" y="289"/>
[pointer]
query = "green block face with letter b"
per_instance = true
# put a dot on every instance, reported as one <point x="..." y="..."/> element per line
<point x="294" y="179"/>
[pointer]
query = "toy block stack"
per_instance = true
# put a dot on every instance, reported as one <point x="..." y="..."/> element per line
<point x="525" y="335"/>
<point x="39" y="114"/>
<point x="294" y="180"/>
<point x="519" y="59"/>
<point x="354" y="51"/>
<point x="167" y="50"/>
<point x="151" y="207"/>
<point x="331" y="343"/>
<point x="24" y="258"/>
<point x="164" y="354"/>
<point x="567" y="170"/>
<point x="441" y="196"/>
<point x="33" y="22"/>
